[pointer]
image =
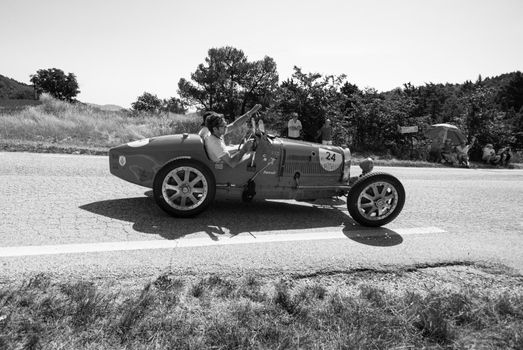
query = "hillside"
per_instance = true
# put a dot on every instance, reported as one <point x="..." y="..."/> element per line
<point x="11" y="89"/>
<point x="109" y="107"/>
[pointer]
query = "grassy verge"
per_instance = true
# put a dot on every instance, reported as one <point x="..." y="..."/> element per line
<point x="62" y="124"/>
<point x="441" y="307"/>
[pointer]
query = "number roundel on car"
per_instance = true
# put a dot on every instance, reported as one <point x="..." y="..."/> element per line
<point x="330" y="160"/>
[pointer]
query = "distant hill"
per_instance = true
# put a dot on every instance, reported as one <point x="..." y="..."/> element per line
<point x="111" y="108"/>
<point x="14" y="94"/>
<point x="11" y="89"/>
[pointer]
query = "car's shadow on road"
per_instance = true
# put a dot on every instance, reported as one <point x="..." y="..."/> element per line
<point x="234" y="217"/>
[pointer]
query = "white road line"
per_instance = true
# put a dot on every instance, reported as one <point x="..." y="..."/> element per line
<point x="202" y="242"/>
<point x="50" y="155"/>
<point x="418" y="230"/>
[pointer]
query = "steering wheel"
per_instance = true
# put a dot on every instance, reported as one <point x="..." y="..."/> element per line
<point x="251" y="133"/>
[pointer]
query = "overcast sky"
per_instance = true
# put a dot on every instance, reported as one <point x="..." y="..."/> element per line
<point x="119" y="49"/>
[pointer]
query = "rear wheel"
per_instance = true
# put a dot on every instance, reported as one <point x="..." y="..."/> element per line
<point x="184" y="188"/>
<point x="376" y="199"/>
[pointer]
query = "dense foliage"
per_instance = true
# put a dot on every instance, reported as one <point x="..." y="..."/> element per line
<point x="56" y="83"/>
<point x="228" y="83"/>
<point x="148" y="102"/>
<point x="489" y="109"/>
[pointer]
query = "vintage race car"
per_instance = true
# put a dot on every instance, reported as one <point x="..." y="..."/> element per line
<point x="185" y="181"/>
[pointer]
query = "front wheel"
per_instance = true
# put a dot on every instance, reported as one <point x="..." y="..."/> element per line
<point x="184" y="188"/>
<point x="376" y="199"/>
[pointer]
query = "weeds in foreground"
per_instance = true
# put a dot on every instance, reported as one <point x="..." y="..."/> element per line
<point x="217" y="312"/>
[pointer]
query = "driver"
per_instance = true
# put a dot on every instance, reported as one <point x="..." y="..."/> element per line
<point x="235" y="125"/>
<point x="215" y="145"/>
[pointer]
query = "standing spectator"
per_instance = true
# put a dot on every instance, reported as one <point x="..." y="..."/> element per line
<point x="294" y="127"/>
<point x="489" y="155"/>
<point x="261" y="125"/>
<point x="325" y="133"/>
<point x="434" y="151"/>
<point x="462" y="151"/>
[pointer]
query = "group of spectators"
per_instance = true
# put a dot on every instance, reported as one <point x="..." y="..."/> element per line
<point x="501" y="157"/>
<point x="458" y="155"/>
<point x="294" y="128"/>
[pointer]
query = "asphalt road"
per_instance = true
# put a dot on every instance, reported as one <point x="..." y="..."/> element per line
<point x="66" y="215"/>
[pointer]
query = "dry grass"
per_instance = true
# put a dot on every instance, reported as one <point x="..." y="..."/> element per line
<point x="61" y="123"/>
<point x="355" y="311"/>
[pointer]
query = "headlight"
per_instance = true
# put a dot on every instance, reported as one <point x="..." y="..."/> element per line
<point x="366" y="166"/>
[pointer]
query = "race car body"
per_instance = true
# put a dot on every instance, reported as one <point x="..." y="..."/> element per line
<point x="185" y="181"/>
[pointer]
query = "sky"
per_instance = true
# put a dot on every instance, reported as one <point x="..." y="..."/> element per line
<point x="119" y="49"/>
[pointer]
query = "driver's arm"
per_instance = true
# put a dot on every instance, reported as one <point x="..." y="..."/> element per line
<point x="237" y="157"/>
<point x="242" y="119"/>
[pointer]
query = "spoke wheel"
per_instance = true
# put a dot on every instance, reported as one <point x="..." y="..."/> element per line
<point x="376" y="199"/>
<point x="184" y="188"/>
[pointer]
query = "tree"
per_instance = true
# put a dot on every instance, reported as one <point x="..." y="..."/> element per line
<point x="510" y="96"/>
<point x="147" y="103"/>
<point x="228" y="83"/>
<point x="260" y="83"/>
<point x="173" y="105"/>
<point x="215" y="82"/>
<point x="315" y="98"/>
<point x="55" y="82"/>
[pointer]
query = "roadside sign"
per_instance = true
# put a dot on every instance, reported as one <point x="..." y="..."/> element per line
<point x="408" y="129"/>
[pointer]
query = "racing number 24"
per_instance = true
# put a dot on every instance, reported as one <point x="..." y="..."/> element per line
<point x="331" y="157"/>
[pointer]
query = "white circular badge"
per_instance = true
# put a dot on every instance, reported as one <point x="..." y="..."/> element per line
<point x="329" y="160"/>
<point x="122" y="160"/>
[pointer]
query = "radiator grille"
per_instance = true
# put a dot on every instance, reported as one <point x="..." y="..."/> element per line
<point x="308" y="168"/>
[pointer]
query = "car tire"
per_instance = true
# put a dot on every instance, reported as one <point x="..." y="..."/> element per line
<point x="184" y="188"/>
<point x="376" y="199"/>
